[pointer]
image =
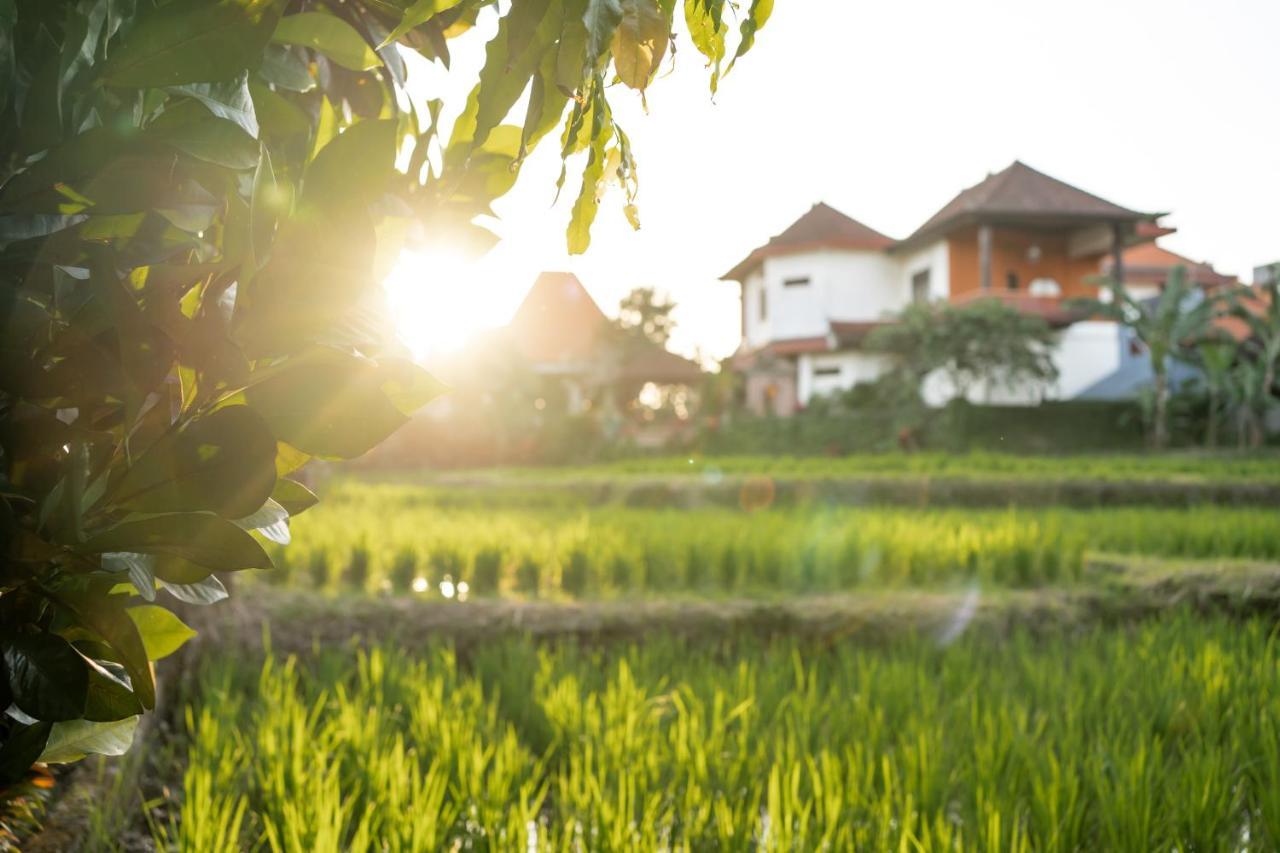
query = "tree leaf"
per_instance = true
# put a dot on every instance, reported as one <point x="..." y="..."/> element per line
<point x="588" y="201"/>
<point x="223" y="462"/>
<point x="21" y="748"/>
<point x="332" y="36"/>
<point x="192" y="41"/>
<point x="208" y="591"/>
<point x="188" y="127"/>
<point x="639" y="42"/>
<point x="48" y="678"/>
<point x="201" y="538"/>
<point x="293" y="496"/>
<point x="73" y="740"/>
<point x="601" y="19"/>
<point x="105" y="616"/>
<point x="140" y="568"/>
<point x="332" y="404"/>
<point x="230" y="100"/>
<point x="110" y="697"/>
<point x="162" y="632"/>
<point x="752" y="23"/>
<point x="354" y="168"/>
<point x="272" y="521"/>
<point x="417" y="14"/>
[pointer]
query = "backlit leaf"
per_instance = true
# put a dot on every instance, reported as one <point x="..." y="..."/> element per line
<point x="330" y="35"/>
<point x="162" y="632"/>
<point x="74" y="739"/>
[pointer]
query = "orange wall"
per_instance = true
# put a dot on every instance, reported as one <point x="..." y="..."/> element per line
<point x="1009" y="253"/>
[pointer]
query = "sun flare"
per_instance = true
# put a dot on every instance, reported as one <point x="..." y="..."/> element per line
<point x="441" y="299"/>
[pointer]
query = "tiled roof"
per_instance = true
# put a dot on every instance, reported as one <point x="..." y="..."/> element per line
<point x="821" y="227"/>
<point x="558" y="321"/>
<point x="1051" y="309"/>
<point x="1021" y="192"/>
<point x="1149" y="263"/>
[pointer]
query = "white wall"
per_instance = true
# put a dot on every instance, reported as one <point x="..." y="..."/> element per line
<point x="934" y="257"/>
<point x="1087" y="353"/>
<point x="854" y="367"/>
<point x="843" y="285"/>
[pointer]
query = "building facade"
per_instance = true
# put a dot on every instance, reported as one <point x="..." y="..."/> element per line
<point x="811" y="294"/>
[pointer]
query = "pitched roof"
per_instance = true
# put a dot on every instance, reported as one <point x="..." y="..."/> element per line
<point x="558" y="321"/>
<point x="1020" y="192"/>
<point x="1149" y="263"/>
<point x="821" y="227"/>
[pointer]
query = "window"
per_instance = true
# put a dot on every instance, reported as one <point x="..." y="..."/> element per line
<point x="1047" y="287"/>
<point x="826" y="371"/>
<point x="1011" y="281"/>
<point x="764" y="304"/>
<point x="800" y="281"/>
<point x="920" y="287"/>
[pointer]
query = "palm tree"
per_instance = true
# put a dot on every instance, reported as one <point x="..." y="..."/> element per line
<point x="1216" y="355"/>
<point x="1260" y="311"/>
<point x="1165" y="324"/>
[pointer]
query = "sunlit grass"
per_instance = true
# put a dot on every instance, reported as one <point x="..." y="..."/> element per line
<point x="1159" y="737"/>
<point x="403" y="538"/>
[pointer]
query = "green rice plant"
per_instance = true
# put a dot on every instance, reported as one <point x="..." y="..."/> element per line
<point x="486" y="571"/>
<point x="404" y="569"/>
<point x="1160" y="736"/>
<point x="573" y="575"/>
<point x="356" y="573"/>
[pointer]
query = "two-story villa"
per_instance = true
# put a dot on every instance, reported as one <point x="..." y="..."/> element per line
<point x="812" y="293"/>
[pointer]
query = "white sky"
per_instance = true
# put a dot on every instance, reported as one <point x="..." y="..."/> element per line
<point x="886" y="110"/>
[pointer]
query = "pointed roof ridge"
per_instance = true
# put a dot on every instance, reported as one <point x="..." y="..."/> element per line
<point x="1022" y="191"/>
<point x="821" y="226"/>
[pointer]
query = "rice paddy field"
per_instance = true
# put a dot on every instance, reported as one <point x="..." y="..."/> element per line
<point x="1161" y="737"/>
<point x="1151" y="727"/>
<point x="381" y="537"/>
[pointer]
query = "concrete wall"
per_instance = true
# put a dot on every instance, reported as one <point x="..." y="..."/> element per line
<point x="813" y="376"/>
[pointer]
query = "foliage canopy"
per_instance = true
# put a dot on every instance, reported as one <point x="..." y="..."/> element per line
<point x="198" y="199"/>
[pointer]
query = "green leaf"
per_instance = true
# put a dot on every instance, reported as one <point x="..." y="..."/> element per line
<point x="639" y="42"/>
<point x="162" y="632"/>
<point x="328" y="405"/>
<point x="208" y="591"/>
<point x="707" y="31"/>
<point x="73" y="740"/>
<point x="140" y="568"/>
<point x="188" y="127"/>
<point x="285" y="67"/>
<point x="417" y="14"/>
<point x="230" y="101"/>
<point x="48" y="678"/>
<point x="751" y="24"/>
<point x="223" y="462"/>
<point x="192" y="41"/>
<point x="353" y="170"/>
<point x="21" y="748"/>
<point x="201" y="538"/>
<point x="271" y="521"/>
<point x="332" y="36"/>
<point x="293" y="496"/>
<point x="109" y="697"/>
<point x="105" y="615"/>
<point x="588" y="200"/>
<point x="601" y="19"/>
<point x="571" y="50"/>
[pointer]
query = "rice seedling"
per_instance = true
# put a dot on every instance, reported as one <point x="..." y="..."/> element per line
<point x="1154" y="737"/>
<point x="608" y="551"/>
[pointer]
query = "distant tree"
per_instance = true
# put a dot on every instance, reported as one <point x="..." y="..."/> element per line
<point x="1260" y="312"/>
<point x="982" y="343"/>
<point x="646" y="314"/>
<point x="1166" y="325"/>
<point x="1214" y="357"/>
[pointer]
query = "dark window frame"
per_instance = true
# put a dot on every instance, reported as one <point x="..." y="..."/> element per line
<point x="797" y="281"/>
<point x="762" y="304"/>
<point x="827" y="371"/>
<point x="1012" y="283"/>
<point x="921" y="280"/>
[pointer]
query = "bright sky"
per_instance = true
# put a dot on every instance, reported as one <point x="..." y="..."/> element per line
<point x="886" y="110"/>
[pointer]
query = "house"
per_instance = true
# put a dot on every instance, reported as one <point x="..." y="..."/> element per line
<point x="811" y="294"/>
<point x="559" y="331"/>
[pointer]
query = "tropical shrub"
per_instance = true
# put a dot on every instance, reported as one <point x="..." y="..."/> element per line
<point x="198" y="199"/>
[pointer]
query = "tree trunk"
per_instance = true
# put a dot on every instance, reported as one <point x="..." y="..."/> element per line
<point x="1160" y="429"/>
<point x="1211" y="428"/>
<point x="1259" y="419"/>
